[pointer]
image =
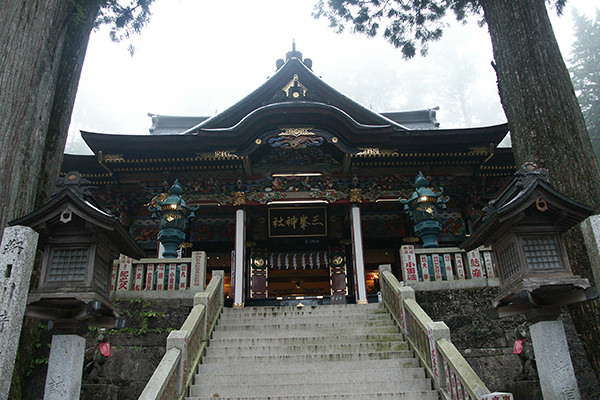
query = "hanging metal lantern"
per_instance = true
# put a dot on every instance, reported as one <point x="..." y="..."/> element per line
<point x="174" y="214"/>
<point x="423" y="209"/>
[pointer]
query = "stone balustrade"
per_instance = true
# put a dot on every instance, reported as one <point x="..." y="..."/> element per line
<point x="186" y="346"/>
<point x="156" y="275"/>
<point x="447" y="268"/>
<point x="453" y="376"/>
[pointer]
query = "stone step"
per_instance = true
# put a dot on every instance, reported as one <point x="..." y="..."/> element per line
<point x="371" y="395"/>
<point x="260" y="312"/>
<point x="352" y="352"/>
<point x="337" y="308"/>
<point x="301" y="389"/>
<point x="284" y="341"/>
<point x="330" y="348"/>
<point x="318" y="357"/>
<point x="304" y="318"/>
<point x="312" y="376"/>
<point x="303" y="332"/>
<point x="329" y="323"/>
<point x="301" y="367"/>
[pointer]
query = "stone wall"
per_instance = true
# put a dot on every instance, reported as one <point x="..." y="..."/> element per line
<point x="135" y="351"/>
<point x="487" y="343"/>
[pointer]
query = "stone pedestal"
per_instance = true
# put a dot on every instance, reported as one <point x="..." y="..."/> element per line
<point x="555" y="369"/>
<point x="591" y="236"/>
<point x="17" y="253"/>
<point x="65" y="367"/>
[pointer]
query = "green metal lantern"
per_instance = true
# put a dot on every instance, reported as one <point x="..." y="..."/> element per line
<point x="423" y="208"/>
<point x="174" y="214"/>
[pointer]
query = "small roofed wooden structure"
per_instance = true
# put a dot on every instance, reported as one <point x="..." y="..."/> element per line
<point x="79" y="241"/>
<point x="524" y="225"/>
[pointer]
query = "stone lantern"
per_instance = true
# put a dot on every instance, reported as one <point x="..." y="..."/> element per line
<point x="524" y="226"/>
<point x="174" y="214"/>
<point x="79" y="241"/>
<point x="423" y="209"/>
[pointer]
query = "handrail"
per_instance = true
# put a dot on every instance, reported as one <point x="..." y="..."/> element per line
<point x="162" y="384"/>
<point x="447" y="268"/>
<point x="186" y="346"/>
<point x="159" y="274"/>
<point x="452" y="375"/>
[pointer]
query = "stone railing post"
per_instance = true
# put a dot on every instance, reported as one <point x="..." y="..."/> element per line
<point x="178" y="340"/>
<point x="409" y="263"/>
<point x="221" y="289"/>
<point x="124" y="278"/>
<point x="204" y="299"/>
<point x="435" y="332"/>
<point x="198" y="271"/>
<point x="404" y="293"/>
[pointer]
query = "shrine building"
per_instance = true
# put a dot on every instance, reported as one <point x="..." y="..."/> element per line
<point x="298" y="186"/>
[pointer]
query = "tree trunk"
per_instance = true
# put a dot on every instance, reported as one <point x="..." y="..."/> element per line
<point x="43" y="44"/>
<point x="546" y="125"/>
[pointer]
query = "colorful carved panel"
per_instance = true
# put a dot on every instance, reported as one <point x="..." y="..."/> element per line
<point x="213" y="229"/>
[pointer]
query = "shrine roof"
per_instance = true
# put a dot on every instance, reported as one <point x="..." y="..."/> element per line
<point x="293" y="82"/>
<point x="165" y="146"/>
<point x="173" y="124"/>
<point x="292" y="103"/>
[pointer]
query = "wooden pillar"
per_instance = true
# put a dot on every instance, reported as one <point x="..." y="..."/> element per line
<point x="240" y="257"/>
<point x="358" y="255"/>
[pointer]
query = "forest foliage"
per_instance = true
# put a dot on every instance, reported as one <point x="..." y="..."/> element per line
<point x="408" y="25"/>
<point x="584" y="65"/>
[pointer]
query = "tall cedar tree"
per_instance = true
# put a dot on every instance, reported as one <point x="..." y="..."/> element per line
<point x="585" y="72"/>
<point x="43" y="45"/>
<point x="545" y="121"/>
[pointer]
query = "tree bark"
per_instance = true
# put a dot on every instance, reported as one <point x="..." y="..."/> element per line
<point x="43" y="43"/>
<point x="546" y="125"/>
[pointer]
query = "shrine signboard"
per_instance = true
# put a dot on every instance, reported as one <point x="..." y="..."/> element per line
<point x="297" y="221"/>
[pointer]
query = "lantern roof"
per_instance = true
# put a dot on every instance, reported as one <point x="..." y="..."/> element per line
<point x="529" y="192"/>
<point x="73" y="196"/>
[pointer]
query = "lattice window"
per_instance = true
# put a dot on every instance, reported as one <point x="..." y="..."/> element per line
<point x="68" y="265"/>
<point x="541" y="253"/>
<point x="508" y="261"/>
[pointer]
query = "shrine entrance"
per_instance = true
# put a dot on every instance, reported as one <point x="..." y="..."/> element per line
<point x="301" y="253"/>
<point x="299" y="273"/>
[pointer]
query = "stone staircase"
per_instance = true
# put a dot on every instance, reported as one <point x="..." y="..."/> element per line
<point x="350" y="352"/>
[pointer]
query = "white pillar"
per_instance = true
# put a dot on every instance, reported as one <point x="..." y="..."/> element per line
<point x="17" y="253"/>
<point x="65" y="366"/>
<point x="358" y="256"/>
<point x="555" y="369"/>
<point x="240" y="257"/>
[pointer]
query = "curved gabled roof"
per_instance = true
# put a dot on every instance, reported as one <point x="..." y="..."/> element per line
<point x="316" y="90"/>
<point x="294" y="97"/>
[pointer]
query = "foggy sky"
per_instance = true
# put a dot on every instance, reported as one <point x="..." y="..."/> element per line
<point x="198" y="58"/>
